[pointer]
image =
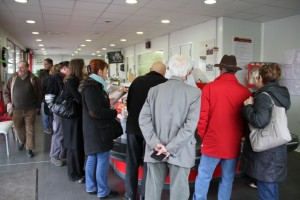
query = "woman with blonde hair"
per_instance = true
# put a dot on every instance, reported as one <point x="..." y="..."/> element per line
<point x="268" y="167"/>
<point x="72" y="127"/>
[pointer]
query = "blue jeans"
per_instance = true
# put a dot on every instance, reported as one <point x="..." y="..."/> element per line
<point x="267" y="191"/>
<point x="206" y="169"/>
<point x="96" y="173"/>
<point x="46" y="119"/>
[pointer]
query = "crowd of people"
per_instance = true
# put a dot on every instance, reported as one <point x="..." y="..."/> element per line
<point x="163" y="117"/>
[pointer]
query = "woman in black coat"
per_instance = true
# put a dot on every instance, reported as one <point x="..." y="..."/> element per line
<point x="268" y="167"/>
<point x="98" y="136"/>
<point x="72" y="128"/>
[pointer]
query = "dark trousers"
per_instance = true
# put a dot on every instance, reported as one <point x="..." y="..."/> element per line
<point x="75" y="164"/>
<point x="134" y="157"/>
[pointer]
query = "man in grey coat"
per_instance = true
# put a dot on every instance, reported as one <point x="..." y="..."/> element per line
<point x="168" y="121"/>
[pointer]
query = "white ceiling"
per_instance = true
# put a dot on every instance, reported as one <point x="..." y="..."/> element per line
<point x="65" y="24"/>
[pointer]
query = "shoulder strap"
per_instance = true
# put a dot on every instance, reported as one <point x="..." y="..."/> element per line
<point x="269" y="97"/>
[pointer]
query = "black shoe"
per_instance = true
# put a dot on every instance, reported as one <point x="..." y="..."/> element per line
<point x="110" y="195"/>
<point x="92" y="193"/>
<point x="142" y="197"/>
<point x="20" y="146"/>
<point x="80" y="181"/>
<point x="29" y="153"/>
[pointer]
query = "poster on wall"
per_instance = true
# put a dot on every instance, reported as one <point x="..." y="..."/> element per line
<point x="206" y="55"/>
<point x="291" y="71"/>
<point x="243" y="51"/>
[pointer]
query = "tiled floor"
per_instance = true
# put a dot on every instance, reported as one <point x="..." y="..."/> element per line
<point x="53" y="183"/>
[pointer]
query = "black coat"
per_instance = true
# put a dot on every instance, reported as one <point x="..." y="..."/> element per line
<point x="137" y="95"/>
<point x="97" y="115"/>
<point x="269" y="165"/>
<point x="72" y="128"/>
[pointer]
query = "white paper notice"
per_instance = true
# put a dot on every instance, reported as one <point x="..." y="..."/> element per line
<point x="243" y="51"/>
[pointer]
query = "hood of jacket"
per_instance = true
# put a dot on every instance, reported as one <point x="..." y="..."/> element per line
<point x="88" y="82"/>
<point x="279" y="93"/>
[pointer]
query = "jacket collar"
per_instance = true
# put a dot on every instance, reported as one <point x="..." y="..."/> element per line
<point x="176" y="78"/>
<point x="227" y="77"/>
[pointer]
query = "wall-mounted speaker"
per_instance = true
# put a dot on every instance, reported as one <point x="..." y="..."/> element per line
<point x="148" y="45"/>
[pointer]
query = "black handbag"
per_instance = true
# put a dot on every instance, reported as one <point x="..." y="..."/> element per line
<point x="117" y="129"/>
<point x="64" y="108"/>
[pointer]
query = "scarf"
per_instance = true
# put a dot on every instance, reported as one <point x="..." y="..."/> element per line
<point x="100" y="80"/>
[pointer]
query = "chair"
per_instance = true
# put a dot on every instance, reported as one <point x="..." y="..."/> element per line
<point x="5" y="126"/>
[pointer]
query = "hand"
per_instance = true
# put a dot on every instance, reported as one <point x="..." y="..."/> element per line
<point x="161" y="149"/>
<point x="249" y="101"/>
<point x="9" y="106"/>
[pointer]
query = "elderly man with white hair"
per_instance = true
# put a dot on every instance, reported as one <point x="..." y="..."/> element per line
<point x="168" y="121"/>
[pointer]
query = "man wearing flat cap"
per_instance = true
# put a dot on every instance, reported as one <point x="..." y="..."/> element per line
<point x="221" y="128"/>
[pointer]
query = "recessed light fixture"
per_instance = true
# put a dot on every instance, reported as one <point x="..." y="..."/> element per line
<point x="38" y="40"/>
<point x="76" y="52"/>
<point x="210" y="1"/>
<point x="88" y="40"/>
<point x="30" y="21"/>
<point x="41" y="45"/>
<point x="43" y="49"/>
<point x="83" y="45"/>
<point x="131" y="1"/>
<point x="97" y="51"/>
<point x="21" y="1"/>
<point x="104" y="49"/>
<point x="140" y="33"/>
<point x="112" y="45"/>
<point x="99" y="55"/>
<point x="123" y="40"/>
<point x="72" y="54"/>
<point x="35" y="33"/>
<point x="165" y="21"/>
<point x="79" y="49"/>
<point x="93" y="54"/>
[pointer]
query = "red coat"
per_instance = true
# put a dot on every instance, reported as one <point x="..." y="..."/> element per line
<point x="221" y="125"/>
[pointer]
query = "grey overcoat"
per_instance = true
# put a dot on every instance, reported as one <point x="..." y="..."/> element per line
<point x="170" y="116"/>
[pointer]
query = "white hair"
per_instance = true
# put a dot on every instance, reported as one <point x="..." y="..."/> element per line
<point x="179" y="65"/>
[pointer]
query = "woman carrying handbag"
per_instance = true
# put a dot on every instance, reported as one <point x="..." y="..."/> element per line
<point x="72" y="127"/>
<point x="269" y="167"/>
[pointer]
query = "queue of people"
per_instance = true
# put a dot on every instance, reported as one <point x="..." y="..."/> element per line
<point x="163" y="117"/>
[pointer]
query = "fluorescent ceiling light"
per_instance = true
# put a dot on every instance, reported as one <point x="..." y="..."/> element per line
<point x="97" y="51"/>
<point x="93" y="54"/>
<point x="83" y="45"/>
<point x="30" y="21"/>
<point x="131" y="1"/>
<point x="35" y="33"/>
<point x="21" y="1"/>
<point x="79" y="49"/>
<point x="210" y="1"/>
<point x="104" y="49"/>
<point x="41" y="45"/>
<point x="38" y="40"/>
<point x="88" y="40"/>
<point x="43" y="49"/>
<point x="112" y="45"/>
<point x="123" y="40"/>
<point x="140" y="33"/>
<point x="99" y="55"/>
<point x="165" y="21"/>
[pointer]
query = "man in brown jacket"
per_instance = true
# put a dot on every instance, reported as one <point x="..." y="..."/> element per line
<point x="22" y="95"/>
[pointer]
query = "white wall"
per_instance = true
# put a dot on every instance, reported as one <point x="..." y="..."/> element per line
<point x="229" y="28"/>
<point x="278" y="36"/>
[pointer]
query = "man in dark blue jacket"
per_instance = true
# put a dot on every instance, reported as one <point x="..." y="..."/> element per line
<point x="137" y="95"/>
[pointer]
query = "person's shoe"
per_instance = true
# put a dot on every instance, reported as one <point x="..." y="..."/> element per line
<point x="56" y="162"/>
<point x="110" y="195"/>
<point x="29" y="153"/>
<point x="20" y="146"/>
<point x="253" y="185"/>
<point x="47" y="131"/>
<point x="92" y="193"/>
<point x="80" y="181"/>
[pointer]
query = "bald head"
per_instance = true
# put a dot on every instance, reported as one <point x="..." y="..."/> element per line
<point x="159" y="67"/>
